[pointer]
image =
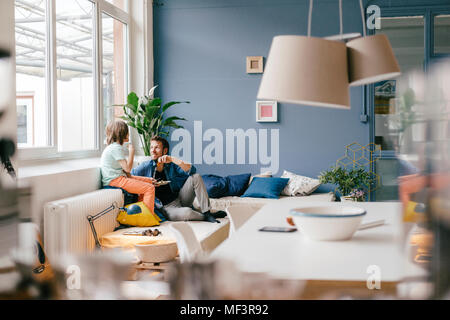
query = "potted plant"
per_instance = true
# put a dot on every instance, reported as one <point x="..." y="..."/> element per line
<point x="356" y="195"/>
<point x="347" y="181"/>
<point x="146" y="115"/>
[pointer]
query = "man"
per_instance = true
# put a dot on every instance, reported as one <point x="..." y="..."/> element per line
<point x="184" y="184"/>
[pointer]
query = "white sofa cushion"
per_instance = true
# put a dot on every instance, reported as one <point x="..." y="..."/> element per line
<point x="225" y="202"/>
<point x="299" y="185"/>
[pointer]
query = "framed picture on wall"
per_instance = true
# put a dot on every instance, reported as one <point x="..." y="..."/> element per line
<point x="266" y="111"/>
<point x="255" y="64"/>
<point x="25" y="120"/>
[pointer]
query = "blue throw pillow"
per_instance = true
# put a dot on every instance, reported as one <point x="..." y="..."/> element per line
<point x="215" y="186"/>
<point x="266" y="188"/>
<point x="237" y="184"/>
<point x="129" y="198"/>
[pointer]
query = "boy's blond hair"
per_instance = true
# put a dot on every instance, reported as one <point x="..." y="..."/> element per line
<point x="116" y="131"/>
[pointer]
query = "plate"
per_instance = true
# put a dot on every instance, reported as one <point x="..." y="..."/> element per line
<point x="162" y="183"/>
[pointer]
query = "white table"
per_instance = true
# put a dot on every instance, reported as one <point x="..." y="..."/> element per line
<point x="293" y="256"/>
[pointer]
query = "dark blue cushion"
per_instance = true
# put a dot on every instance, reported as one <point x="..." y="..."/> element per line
<point x="128" y="198"/>
<point x="215" y="186"/>
<point x="266" y="188"/>
<point x="237" y="184"/>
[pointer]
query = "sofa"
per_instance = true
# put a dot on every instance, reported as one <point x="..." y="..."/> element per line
<point x="209" y="234"/>
<point x="66" y="228"/>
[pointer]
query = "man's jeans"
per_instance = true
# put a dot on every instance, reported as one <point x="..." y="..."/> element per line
<point x="181" y="208"/>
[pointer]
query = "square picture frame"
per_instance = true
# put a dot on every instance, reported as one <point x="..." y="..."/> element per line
<point x="255" y="64"/>
<point x="266" y="111"/>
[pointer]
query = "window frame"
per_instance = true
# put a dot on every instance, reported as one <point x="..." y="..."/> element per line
<point x="51" y="151"/>
<point x="428" y="12"/>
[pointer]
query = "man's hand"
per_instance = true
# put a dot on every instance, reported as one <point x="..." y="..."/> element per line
<point x="185" y="166"/>
<point x="165" y="159"/>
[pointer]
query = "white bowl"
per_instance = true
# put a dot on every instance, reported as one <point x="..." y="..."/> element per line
<point x="157" y="251"/>
<point x="328" y="223"/>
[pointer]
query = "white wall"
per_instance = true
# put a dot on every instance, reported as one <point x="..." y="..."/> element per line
<point x="141" y="53"/>
<point x="57" y="180"/>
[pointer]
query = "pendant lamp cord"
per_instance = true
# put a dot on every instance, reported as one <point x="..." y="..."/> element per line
<point x="310" y="17"/>
<point x="362" y="18"/>
<point x="341" y="25"/>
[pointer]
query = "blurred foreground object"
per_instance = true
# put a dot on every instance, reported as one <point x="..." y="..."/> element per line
<point x="7" y="150"/>
<point x="221" y="279"/>
<point x="5" y="69"/>
<point x="426" y="195"/>
<point x="93" y="276"/>
<point x="24" y="269"/>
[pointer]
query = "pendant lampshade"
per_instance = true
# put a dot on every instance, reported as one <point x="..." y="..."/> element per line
<point x="306" y="70"/>
<point x="371" y="59"/>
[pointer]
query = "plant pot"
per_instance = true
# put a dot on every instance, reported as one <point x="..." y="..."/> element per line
<point x="350" y="199"/>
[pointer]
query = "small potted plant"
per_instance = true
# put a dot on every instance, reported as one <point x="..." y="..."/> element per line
<point x="349" y="183"/>
<point x="356" y="195"/>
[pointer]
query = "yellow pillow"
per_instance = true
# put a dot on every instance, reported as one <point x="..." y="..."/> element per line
<point x="145" y="218"/>
<point x="411" y="215"/>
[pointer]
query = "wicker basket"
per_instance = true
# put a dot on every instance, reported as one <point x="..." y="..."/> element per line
<point x="157" y="251"/>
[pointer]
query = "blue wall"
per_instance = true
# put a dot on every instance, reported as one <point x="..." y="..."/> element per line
<point x="200" y="55"/>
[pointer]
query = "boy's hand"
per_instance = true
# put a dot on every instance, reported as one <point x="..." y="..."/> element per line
<point x="131" y="148"/>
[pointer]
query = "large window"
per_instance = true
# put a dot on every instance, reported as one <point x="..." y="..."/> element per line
<point x="419" y="37"/>
<point x="417" y="41"/>
<point x="114" y="67"/>
<point x="407" y="40"/>
<point x="441" y="34"/>
<point x="31" y="76"/>
<point x="71" y="59"/>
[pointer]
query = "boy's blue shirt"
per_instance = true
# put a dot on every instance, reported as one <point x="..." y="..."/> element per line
<point x="174" y="173"/>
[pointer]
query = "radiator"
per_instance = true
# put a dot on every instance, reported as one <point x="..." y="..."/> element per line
<point x="66" y="228"/>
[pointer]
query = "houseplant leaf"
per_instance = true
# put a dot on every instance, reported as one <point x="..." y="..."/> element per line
<point x="154" y="102"/>
<point x="133" y="101"/>
<point x="171" y="120"/>
<point x="150" y="111"/>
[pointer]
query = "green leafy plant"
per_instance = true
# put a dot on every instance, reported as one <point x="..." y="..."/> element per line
<point x="346" y="180"/>
<point x="146" y="115"/>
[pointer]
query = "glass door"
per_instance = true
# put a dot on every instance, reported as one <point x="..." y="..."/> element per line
<point x="394" y="102"/>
